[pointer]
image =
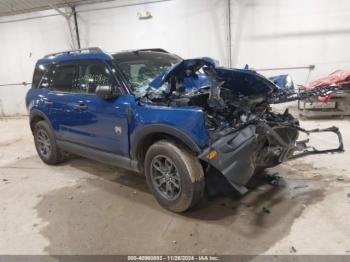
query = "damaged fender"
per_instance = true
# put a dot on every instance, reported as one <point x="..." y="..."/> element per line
<point x="244" y="135"/>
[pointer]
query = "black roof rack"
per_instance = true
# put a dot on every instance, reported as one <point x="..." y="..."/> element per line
<point x="75" y="51"/>
<point x="152" y="49"/>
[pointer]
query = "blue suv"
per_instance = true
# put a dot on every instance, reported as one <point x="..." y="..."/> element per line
<point x="186" y="124"/>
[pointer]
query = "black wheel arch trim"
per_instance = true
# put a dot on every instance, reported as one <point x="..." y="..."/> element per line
<point x="161" y="129"/>
<point x="37" y="113"/>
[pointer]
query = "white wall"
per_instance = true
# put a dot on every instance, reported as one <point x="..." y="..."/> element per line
<point x="189" y="28"/>
<point x="22" y="43"/>
<point x="265" y="33"/>
<point x="280" y="33"/>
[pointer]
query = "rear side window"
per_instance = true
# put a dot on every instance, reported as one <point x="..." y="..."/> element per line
<point x="63" y="78"/>
<point x="39" y="72"/>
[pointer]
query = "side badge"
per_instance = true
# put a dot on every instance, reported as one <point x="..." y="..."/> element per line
<point x="118" y="130"/>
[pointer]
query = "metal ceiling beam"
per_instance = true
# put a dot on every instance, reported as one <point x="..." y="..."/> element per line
<point x="67" y="16"/>
<point x="76" y="26"/>
<point x="56" y="8"/>
<point x="229" y="35"/>
<point x="14" y="7"/>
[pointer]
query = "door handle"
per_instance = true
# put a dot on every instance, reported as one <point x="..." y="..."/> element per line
<point x="80" y="106"/>
<point x="48" y="103"/>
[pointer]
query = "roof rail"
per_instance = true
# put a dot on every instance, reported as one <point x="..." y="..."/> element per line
<point x="152" y="49"/>
<point x="82" y="50"/>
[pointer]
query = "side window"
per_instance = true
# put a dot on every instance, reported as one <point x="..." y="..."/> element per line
<point x="93" y="75"/>
<point x="39" y="72"/>
<point x="63" y="78"/>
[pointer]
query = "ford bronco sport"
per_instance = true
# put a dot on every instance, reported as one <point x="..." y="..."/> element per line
<point x="174" y="120"/>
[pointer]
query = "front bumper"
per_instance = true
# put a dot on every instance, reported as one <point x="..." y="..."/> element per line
<point x="241" y="153"/>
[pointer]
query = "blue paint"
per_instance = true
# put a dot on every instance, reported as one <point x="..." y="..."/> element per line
<point x="282" y="81"/>
<point x="240" y="81"/>
<point x="180" y="70"/>
<point x="74" y="57"/>
<point x="188" y="120"/>
<point x="96" y="126"/>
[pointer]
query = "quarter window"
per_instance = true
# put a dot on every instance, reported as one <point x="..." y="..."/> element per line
<point x="39" y="72"/>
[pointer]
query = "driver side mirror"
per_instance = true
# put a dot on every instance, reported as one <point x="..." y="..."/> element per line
<point x="106" y="92"/>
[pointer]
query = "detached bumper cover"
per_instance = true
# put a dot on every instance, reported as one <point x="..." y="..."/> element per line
<point x="240" y="153"/>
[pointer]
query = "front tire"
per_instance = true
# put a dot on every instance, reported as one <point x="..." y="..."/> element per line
<point x="174" y="176"/>
<point x="45" y="144"/>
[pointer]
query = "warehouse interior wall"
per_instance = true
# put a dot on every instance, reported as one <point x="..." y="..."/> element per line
<point x="189" y="28"/>
<point x="23" y="41"/>
<point x="291" y="33"/>
<point x="264" y="34"/>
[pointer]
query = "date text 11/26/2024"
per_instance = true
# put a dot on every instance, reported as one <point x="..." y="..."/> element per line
<point x="173" y="258"/>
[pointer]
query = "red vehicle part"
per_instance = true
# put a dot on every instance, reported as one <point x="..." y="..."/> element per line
<point x="337" y="77"/>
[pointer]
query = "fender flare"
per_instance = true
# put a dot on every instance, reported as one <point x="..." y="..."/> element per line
<point x="142" y="133"/>
<point x="37" y="113"/>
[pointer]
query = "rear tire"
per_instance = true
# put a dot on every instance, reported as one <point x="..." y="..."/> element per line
<point x="174" y="176"/>
<point x="45" y="144"/>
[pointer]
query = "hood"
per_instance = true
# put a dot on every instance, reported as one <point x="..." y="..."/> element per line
<point x="188" y="73"/>
<point x="182" y="70"/>
<point x="283" y="81"/>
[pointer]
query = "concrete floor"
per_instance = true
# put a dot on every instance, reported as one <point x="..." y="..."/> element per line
<point x="84" y="207"/>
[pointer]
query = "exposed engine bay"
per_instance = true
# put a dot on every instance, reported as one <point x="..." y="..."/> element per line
<point x="230" y="98"/>
<point x="244" y="131"/>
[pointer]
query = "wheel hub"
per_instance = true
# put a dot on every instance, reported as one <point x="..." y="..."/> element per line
<point x="165" y="177"/>
<point x="43" y="143"/>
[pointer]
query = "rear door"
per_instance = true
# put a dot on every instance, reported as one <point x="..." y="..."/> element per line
<point x="62" y="112"/>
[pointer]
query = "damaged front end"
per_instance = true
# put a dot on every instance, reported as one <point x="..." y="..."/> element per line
<point x="239" y="154"/>
<point x="245" y="135"/>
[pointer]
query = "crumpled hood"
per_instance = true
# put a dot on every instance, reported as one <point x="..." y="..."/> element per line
<point x="240" y="81"/>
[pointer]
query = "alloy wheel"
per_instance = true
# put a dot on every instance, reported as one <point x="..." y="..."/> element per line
<point x="165" y="177"/>
<point x="43" y="143"/>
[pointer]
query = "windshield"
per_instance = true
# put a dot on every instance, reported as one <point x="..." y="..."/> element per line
<point x="140" y="68"/>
